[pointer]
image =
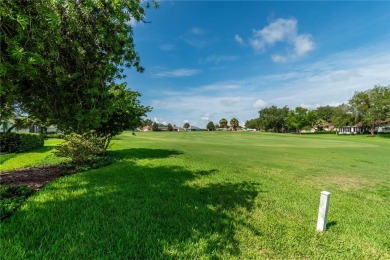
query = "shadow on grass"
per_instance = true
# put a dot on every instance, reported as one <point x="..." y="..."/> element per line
<point x="6" y="157"/>
<point x="331" y="224"/>
<point x="144" y="153"/>
<point x="131" y="211"/>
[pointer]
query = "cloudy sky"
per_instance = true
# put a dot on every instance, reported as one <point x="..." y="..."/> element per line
<point x="205" y="60"/>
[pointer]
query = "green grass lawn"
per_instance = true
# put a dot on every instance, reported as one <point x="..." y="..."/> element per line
<point x="38" y="157"/>
<point x="201" y="195"/>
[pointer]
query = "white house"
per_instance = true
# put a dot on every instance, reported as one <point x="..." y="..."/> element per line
<point x="347" y="130"/>
<point x="382" y="129"/>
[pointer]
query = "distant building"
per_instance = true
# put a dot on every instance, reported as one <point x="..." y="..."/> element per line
<point x="383" y="127"/>
<point x="348" y="130"/>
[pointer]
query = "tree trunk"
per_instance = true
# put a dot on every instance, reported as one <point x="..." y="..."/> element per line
<point x="372" y="130"/>
<point x="10" y="129"/>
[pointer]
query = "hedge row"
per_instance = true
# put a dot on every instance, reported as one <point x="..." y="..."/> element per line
<point x="20" y="142"/>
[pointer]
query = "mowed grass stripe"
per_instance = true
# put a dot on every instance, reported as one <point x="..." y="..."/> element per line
<point x="213" y="195"/>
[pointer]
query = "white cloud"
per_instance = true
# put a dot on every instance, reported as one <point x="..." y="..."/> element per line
<point x="220" y="58"/>
<point x="167" y="47"/>
<point x="279" y="58"/>
<point x="177" y="73"/>
<point x="238" y="39"/>
<point x="204" y="118"/>
<point x="259" y="104"/>
<point x="220" y="87"/>
<point x="330" y="81"/>
<point x="197" y="31"/>
<point x="303" y="44"/>
<point x="282" y="30"/>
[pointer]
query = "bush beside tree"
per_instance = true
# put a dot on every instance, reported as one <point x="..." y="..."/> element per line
<point x="20" y="142"/>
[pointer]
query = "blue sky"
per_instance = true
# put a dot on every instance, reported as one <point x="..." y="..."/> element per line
<point x="205" y="60"/>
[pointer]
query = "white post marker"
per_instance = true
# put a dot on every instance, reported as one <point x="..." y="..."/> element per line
<point x="323" y="211"/>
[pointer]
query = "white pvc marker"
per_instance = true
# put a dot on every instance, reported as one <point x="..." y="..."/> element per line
<point x="323" y="211"/>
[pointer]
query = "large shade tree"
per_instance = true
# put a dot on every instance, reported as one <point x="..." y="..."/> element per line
<point x="60" y="58"/>
<point x="342" y="116"/>
<point x="297" y="119"/>
<point x="371" y="106"/>
<point x="273" y="118"/>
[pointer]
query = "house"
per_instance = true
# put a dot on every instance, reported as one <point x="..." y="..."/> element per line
<point x="9" y="124"/>
<point x="178" y="128"/>
<point x="147" y="128"/>
<point x="195" y="128"/>
<point x="383" y="127"/>
<point x="355" y="129"/>
<point x="33" y="128"/>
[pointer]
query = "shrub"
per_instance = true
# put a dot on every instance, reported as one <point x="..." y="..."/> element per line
<point x="20" y="142"/>
<point x="82" y="149"/>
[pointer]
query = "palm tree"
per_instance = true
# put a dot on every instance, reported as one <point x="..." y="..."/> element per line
<point x="223" y="123"/>
<point x="234" y="123"/>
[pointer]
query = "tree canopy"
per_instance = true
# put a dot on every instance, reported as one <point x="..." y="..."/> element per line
<point x="126" y="115"/>
<point x="273" y="118"/>
<point x="223" y="123"/>
<point x="234" y="123"/>
<point x="60" y="58"/>
<point x="371" y="106"/>
<point x="186" y="125"/>
<point x="210" y="126"/>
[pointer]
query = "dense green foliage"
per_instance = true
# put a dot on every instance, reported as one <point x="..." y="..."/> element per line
<point x="297" y="119"/>
<point x="11" y="198"/>
<point x="371" y="106"/>
<point x="59" y="58"/>
<point x="367" y="108"/>
<point x="210" y="126"/>
<point x="213" y="195"/>
<point x="253" y="124"/>
<point x="82" y="149"/>
<point x="186" y="125"/>
<point x="234" y="124"/>
<point x="273" y="118"/>
<point x="223" y="123"/>
<point x="20" y="142"/>
<point x="127" y="114"/>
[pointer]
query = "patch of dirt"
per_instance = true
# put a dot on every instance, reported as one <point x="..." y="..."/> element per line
<point x="35" y="178"/>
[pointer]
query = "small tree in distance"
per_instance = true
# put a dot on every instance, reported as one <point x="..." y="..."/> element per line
<point x="210" y="126"/>
<point x="234" y="123"/>
<point x="186" y="125"/>
<point x="223" y="123"/>
<point x="170" y="127"/>
<point x="155" y="126"/>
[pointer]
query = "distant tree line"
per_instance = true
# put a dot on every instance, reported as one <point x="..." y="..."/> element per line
<point x="368" y="108"/>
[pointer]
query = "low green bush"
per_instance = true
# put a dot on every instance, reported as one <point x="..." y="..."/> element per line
<point x="20" y="142"/>
<point x="83" y="149"/>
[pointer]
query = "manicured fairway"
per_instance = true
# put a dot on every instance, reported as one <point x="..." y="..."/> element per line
<point x="201" y="195"/>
